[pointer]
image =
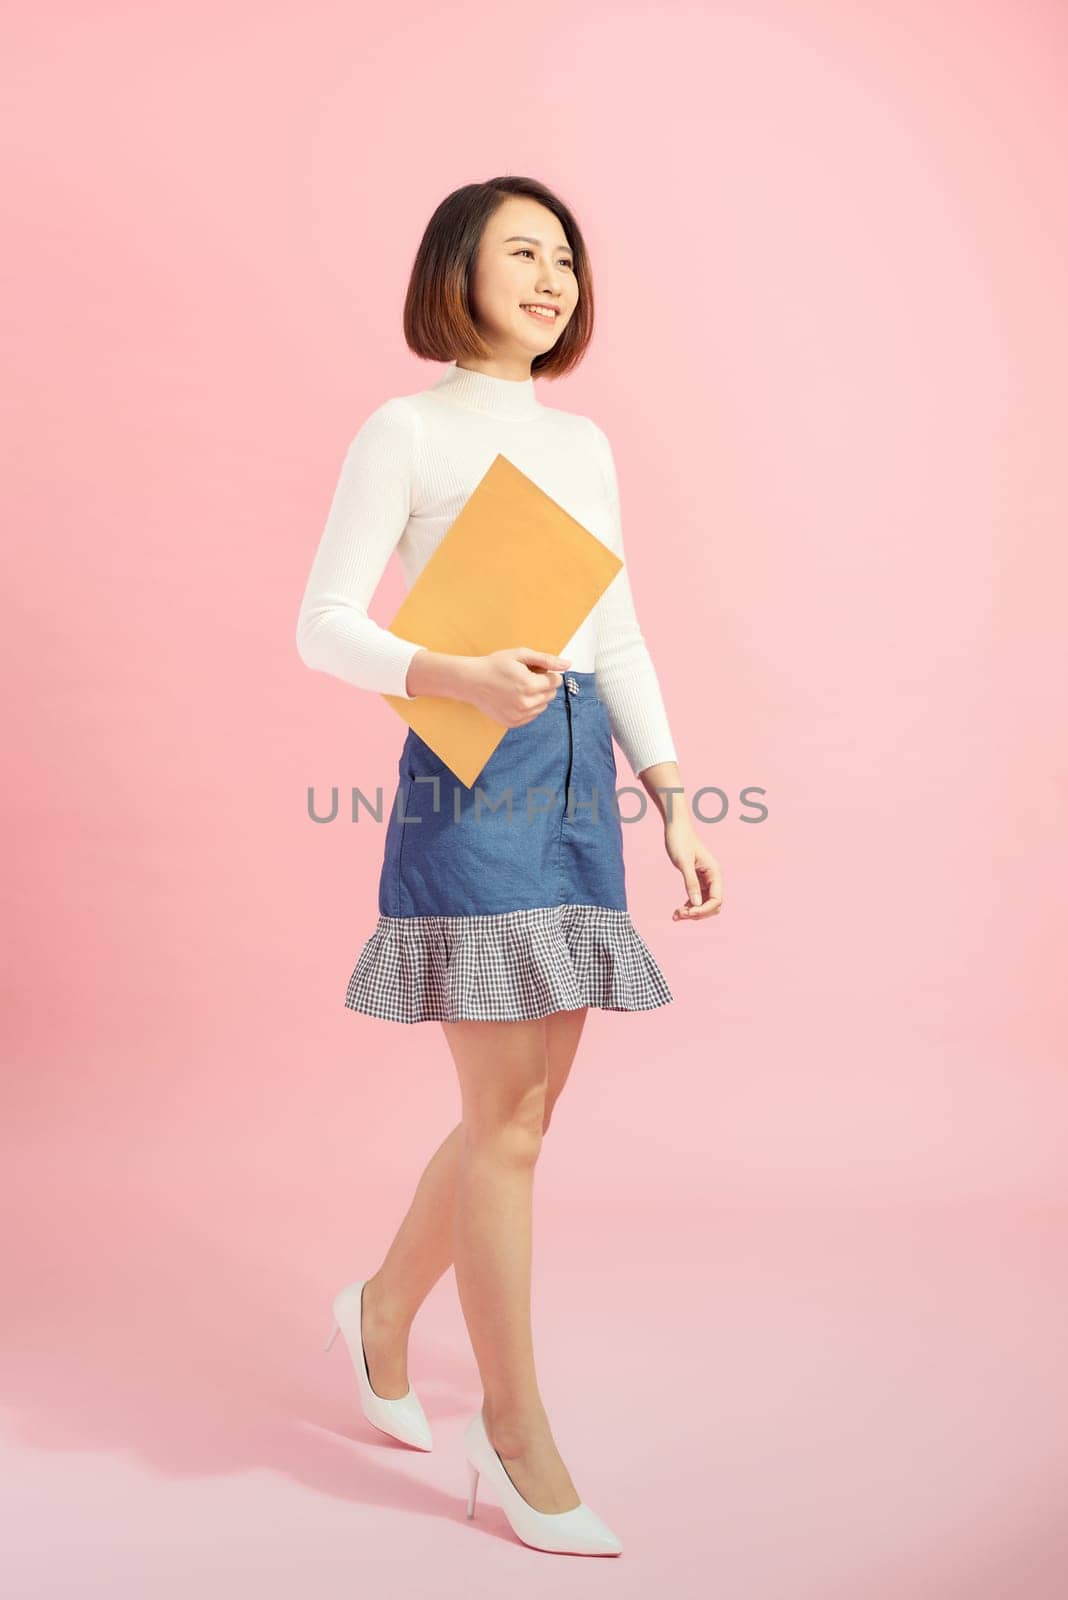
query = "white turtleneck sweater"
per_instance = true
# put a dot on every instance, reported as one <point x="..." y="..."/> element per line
<point x="408" y="473"/>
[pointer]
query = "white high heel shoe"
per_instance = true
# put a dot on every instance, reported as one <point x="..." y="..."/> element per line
<point x="579" y="1531"/>
<point x="403" y="1418"/>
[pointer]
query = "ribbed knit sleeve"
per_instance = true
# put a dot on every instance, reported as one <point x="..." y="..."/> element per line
<point x="626" y="677"/>
<point x="367" y="516"/>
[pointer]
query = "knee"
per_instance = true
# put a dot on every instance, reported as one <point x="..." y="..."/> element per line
<point x="519" y="1143"/>
<point x="515" y="1139"/>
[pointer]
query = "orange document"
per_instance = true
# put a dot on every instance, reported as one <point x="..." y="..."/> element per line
<point x="514" y="568"/>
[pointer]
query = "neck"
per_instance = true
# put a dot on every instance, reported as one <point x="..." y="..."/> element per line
<point x="478" y="391"/>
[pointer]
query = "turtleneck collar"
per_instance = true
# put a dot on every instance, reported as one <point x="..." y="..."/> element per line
<point x="497" y="397"/>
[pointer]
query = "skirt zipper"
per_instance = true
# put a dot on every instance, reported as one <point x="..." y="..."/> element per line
<point x="570" y="755"/>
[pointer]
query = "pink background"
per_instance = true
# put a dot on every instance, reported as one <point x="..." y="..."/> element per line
<point x="799" y="1238"/>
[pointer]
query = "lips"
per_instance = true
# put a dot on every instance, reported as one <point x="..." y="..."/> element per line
<point x="543" y="312"/>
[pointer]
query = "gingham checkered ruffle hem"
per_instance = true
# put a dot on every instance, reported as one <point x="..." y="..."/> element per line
<point x="506" y="966"/>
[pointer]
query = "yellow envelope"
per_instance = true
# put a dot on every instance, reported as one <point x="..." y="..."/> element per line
<point x="514" y="568"/>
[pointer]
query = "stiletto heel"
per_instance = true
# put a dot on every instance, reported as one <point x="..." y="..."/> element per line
<point x="579" y="1531"/>
<point x="403" y="1418"/>
<point x="472" y="1487"/>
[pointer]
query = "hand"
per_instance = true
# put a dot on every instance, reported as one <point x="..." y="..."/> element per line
<point x="514" y="686"/>
<point x="700" y="870"/>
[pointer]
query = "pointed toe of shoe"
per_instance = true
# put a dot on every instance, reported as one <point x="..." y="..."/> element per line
<point x="597" y="1535"/>
<point x="405" y="1419"/>
<point x="579" y="1531"/>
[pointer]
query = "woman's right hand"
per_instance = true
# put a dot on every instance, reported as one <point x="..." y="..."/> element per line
<point x="514" y="686"/>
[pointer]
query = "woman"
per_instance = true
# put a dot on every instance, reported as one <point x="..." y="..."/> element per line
<point x="504" y="931"/>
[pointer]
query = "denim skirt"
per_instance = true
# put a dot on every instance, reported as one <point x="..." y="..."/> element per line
<point x="507" y="899"/>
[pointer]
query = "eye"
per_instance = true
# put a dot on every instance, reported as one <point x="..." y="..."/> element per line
<point x="524" y="250"/>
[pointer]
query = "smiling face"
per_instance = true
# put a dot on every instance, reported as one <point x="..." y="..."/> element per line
<point x="523" y="259"/>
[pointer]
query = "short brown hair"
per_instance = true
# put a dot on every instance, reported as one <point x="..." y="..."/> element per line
<point x="438" y="324"/>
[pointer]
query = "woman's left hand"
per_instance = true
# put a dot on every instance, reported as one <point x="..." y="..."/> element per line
<point x="701" y="872"/>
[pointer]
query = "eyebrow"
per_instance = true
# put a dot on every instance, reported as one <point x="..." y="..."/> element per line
<point x="527" y="239"/>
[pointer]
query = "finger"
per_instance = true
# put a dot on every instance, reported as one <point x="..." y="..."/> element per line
<point x="536" y="703"/>
<point x="695" y="913"/>
<point x="540" y="658"/>
<point x="708" y="907"/>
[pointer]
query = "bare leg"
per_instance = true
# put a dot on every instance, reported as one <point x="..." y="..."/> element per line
<point x="503" y="1073"/>
<point x="423" y="1248"/>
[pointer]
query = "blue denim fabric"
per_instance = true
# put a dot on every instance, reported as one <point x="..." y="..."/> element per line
<point x="453" y="850"/>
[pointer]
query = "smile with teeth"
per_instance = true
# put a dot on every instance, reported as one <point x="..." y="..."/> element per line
<point x="547" y="313"/>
